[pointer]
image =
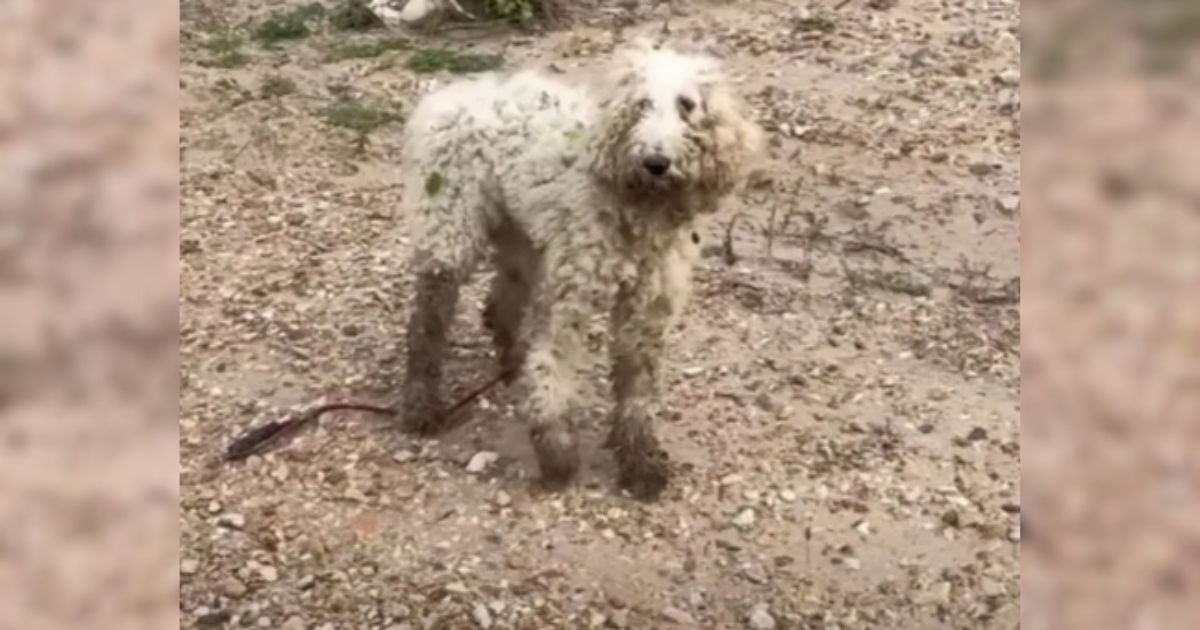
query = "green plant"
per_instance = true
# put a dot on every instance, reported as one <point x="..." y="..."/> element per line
<point x="288" y="25"/>
<point x="358" y="117"/>
<point x="431" y="60"/>
<point x="224" y="50"/>
<point x="275" y="86"/>
<point x="354" y="15"/>
<point x="513" y="10"/>
<point x="366" y="50"/>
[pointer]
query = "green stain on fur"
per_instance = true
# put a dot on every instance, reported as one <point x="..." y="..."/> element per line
<point x="434" y="183"/>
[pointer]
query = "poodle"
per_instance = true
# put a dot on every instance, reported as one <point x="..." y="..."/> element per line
<point x="586" y="203"/>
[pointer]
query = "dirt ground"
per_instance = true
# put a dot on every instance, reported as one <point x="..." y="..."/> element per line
<point x="844" y="394"/>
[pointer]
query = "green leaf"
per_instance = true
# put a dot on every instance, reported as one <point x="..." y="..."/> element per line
<point x="434" y="183"/>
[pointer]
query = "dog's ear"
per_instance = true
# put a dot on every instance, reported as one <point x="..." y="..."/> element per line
<point x="736" y="138"/>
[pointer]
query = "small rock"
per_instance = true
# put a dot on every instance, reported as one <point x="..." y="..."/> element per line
<point x="482" y="616"/>
<point x="188" y="567"/>
<point x="503" y="499"/>
<point x="231" y="521"/>
<point x="939" y="593"/>
<point x="268" y="573"/>
<point x="755" y="573"/>
<point x="745" y="519"/>
<point x="992" y="588"/>
<point x="212" y="619"/>
<point x="980" y="169"/>
<point x="1015" y="534"/>
<point x="403" y="457"/>
<point x="233" y="587"/>
<point x="293" y="623"/>
<point x="760" y="618"/>
<point x="787" y="496"/>
<point x="481" y="461"/>
<point x="681" y="617"/>
<point x="1008" y="78"/>
<point x="1009" y="206"/>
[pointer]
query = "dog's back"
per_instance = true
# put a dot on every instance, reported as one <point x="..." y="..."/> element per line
<point x="495" y="115"/>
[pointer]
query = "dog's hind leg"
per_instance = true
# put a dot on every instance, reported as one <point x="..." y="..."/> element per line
<point x="448" y="246"/>
<point x="509" y="298"/>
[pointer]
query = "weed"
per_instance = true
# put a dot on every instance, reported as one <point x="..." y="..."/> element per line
<point x="354" y="15"/>
<point x="288" y="25"/>
<point x="358" y="117"/>
<point x="366" y="50"/>
<point x="437" y="60"/>
<point x="434" y="183"/>
<point x="224" y="50"/>
<point x="275" y="86"/>
<point x="514" y="10"/>
<point x="525" y="11"/>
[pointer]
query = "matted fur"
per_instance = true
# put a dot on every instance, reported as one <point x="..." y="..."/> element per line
<point x="554" y="183"/>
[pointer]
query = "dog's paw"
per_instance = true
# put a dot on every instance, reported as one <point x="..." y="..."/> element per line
<point x="557" y="453"/>
<point x="644" y="476"/>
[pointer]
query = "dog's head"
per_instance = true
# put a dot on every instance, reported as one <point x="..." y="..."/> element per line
<point x="670" y="124"/>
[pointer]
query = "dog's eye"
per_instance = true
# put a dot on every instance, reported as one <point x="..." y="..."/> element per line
<point x="686" y="104"/>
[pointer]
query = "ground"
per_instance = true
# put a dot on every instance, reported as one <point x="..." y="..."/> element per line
<point x="844" y="393"/>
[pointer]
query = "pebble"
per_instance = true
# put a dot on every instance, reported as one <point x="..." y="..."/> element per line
<point x="755" y="573"/>
<point x="939" y="593"/>
<point x="760" y="618"/>
<point x="681" y="617"/>
<point x="1009" y="206"/>
<point x="787" y="496"/>
<point x="233" y="587"/>
<point x="268" y="573"/>
<point x="481" y="461"/>
<point x="231" y="520"/>
<point x="482" y="616"/>
<point x="745" y="519"/>
<point x="189" y="567"/>
<point x="293" y="623"/>
<point x="1009" y="78"/>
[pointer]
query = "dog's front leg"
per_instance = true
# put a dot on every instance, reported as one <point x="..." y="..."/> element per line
<point x="571" y="292"/>
<point x="640" y="317"/>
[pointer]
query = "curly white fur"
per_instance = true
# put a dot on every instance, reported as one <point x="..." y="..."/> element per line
<point x="587" y="202"/>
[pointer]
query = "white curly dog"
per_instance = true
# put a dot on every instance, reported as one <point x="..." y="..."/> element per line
<point x="586" y="203"/>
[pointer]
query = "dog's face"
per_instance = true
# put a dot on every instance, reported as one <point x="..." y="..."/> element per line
<point x="672" y="125"/>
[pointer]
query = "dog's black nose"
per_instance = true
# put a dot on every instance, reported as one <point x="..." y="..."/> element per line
<point x="657" y="164"/>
